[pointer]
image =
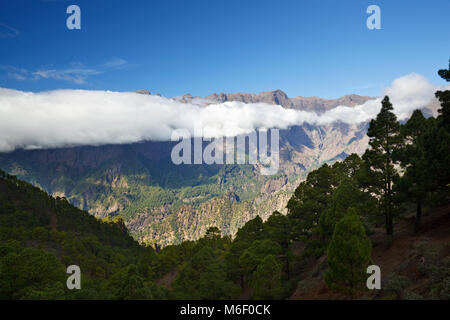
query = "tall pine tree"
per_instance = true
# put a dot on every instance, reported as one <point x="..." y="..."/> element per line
<point x="438" y="142"/>
<point x="384" y="135"/>
<point x="414" y="184"/>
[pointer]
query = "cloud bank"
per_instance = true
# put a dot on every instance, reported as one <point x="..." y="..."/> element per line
<point x="63" y="118"/>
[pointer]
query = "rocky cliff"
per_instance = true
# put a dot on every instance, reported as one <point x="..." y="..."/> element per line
<point x="166" y="203"/>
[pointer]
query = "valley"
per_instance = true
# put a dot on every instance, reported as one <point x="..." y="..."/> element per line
<point x="165" y="203"/>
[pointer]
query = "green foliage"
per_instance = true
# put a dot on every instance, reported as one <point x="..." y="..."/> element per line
<point x="385" y="139"/>
<point x="42" y="235"/>
<point x="28" y="273"/>
<point x="330" y="211"/>
<point x="278" y="229"/>
<point x="437" y="145"/>
<point x="258" y="250"/>
<point x="348" y="255"/>
<point x="397" y="284"/>
<point x="435" y="264"/>
<point x="311" y="198"/>
<point x="204" y="277"/>
<point x="266" y="281"/>
<point x="251" y="231"/>
<point x="323" y="199"/>
<point x="445" y="73"/>
<point x="345" y="196"/>
<point x="416" y="180"/>
<point x="132" y="286"/>
<point x="146" y="185"/>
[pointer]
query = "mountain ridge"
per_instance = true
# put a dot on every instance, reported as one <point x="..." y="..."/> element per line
<point x="279" y="97"/>
<point x="166" y="203"/>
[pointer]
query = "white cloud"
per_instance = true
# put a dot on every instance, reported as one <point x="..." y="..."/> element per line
<point x="82" y="117"/>
<point x="114" y="63"/>
<point x="8" y="31"/>
<point x="76" y="73"/>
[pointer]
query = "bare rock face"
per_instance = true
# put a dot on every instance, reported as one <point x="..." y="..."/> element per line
<point x="320" y="105"/>
<point x="185" y="98"/>
<point x="143" y="91"/>
<point x="270" y="97"/>
<point x="278" y="97"/>
<point x="274" y="185"/>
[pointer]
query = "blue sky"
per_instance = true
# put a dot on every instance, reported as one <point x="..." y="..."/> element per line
<point x="309" y="48"/>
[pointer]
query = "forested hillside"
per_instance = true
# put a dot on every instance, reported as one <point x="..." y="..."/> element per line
<point x="389" y="207"/>
<point x="41" y="236"/>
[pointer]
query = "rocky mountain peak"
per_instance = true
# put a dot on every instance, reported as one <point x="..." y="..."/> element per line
<point x="143" y="91"/>
<point x="279" y="97"/>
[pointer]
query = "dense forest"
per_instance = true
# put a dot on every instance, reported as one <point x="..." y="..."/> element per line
<point x="333" y="217"/>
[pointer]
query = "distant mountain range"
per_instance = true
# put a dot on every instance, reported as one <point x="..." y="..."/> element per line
<point x="166" y="203"/>
<point x="278" y="97"/>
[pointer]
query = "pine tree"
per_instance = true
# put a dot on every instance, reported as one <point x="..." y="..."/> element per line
<point x="346" y="195"/>
<point x="277" y="228"/>
<point x="438" y="142"/>
<point x="251" y="231"/>
<point x="204" y="277"/>
<point x="445" y="73"/>
<point x="266" y="282"/>
<point x="384" y="135"/>
<point x="133" y="287"/>
<point x="251" y="257"/>
<point x="311" y="198"/>
<point x="415" y="180"/>
<point x="348" y="255"/>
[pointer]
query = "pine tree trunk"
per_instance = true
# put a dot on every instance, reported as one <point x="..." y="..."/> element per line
<point x="386" y="210"/>
<point x="287" y="267"/>
<point x="390" y="230"/>
<point x="418" y="215"/>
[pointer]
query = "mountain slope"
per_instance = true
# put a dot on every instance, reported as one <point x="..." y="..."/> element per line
<point x="409" y="265"/>
<point x="166" y="203"/>
<point x="40" y="236"/>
